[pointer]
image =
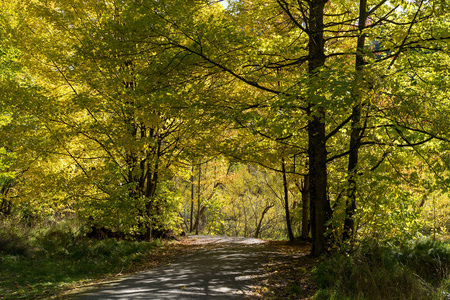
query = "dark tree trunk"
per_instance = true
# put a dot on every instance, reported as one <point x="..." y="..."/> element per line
<point x="356" y="128"/>
<point x="197" y="221"/>
<point x="150" y="191"/>
<point x="319" y="205"/>
<point x="192" y="200"/>
<point x="286" y="201"/>
<point x="258" y="228"/>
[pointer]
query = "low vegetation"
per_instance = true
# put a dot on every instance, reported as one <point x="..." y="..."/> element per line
<point x="419" y="270"/>
<point x="40" y="262"/>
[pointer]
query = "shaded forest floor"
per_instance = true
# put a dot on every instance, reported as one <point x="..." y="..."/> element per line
<point x="281" y="270"/>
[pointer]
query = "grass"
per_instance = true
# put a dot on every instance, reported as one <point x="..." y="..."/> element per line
<point x="41" y="263"/>
<point x="419" y="270"/>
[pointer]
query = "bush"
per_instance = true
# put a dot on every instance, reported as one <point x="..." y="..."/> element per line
<point x="381" y="272"/>
<point x="56" y="240"/>
<point x="14" y="238"/>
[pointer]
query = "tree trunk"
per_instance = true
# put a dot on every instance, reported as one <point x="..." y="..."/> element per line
<point x="258" y="228"/>
<point x="150" y="191"/>
<point x="197" y="221"/>
<point x="286" y="202"/>
<point x="319" y="205"/>
<point x="355" y="135"/>
<point x="192" y="199"/>
<point x="305" y="206"/>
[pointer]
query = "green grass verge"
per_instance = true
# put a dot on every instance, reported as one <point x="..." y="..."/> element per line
<point x="40" y="265"/>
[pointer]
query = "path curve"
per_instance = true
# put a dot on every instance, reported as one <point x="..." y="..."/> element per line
<point x="222" y="268"/>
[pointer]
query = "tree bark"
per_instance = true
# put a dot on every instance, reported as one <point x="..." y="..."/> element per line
<point x="319" y="205"/>
<point x="150" y="190"/>
<point x="192" y="200"/>
<point x="286" y="201"/>
<point x="355" y="135"/>
<point x="197" y="220"/>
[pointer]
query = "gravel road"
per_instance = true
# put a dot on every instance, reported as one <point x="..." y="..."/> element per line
<point x="221" y="268"/>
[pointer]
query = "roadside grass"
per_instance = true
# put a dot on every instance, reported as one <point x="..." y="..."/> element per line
<point x="420" y="270"/>
<point x="38" y="263"/>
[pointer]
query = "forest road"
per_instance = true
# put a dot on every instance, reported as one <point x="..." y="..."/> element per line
<point x="221" y="268"/>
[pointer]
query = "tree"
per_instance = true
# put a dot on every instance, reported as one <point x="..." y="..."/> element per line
<point x="115" y="113"/>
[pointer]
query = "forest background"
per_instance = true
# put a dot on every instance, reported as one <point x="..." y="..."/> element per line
<point x="321" y="120"/>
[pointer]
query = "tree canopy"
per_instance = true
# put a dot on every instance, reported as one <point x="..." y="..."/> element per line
<point x="140" y="116"/>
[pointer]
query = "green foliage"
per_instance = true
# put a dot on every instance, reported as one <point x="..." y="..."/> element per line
<point x="6" y="159"/>
<point x="417" y="271"/>
<point x="166" y="207"/>
<point x="125" y="214"/>
<point x="235" y="196"/>
<point x="435" y="213"/>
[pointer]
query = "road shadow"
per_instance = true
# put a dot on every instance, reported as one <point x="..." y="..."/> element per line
<point x="220" y="268"/>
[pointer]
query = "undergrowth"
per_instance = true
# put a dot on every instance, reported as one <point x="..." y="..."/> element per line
<point x="419" y="270"/>
<point x="40" y="261"/>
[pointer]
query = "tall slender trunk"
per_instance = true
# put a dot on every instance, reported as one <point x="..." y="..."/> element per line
<point x="150" y="188"/>
<point x="286" y="201"/>
<point x="192" y="199"/>
<point x="197" y="220"/>
<point x="319" y="205"/>
<point x="356" y="128"/>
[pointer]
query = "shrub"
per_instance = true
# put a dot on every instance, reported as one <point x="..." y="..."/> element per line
<point x="14" y="238"/>
<point x="56" y="240"/>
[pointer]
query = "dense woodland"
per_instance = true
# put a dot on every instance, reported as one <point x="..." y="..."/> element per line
<point x="150" y="116"/>
<point x="322" y="121"/>
<point x="316" y="119"/>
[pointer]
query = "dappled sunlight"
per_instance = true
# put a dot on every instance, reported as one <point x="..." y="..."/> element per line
<point x="204" y="239"/>
<point x="224" y="267"/>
